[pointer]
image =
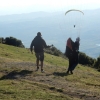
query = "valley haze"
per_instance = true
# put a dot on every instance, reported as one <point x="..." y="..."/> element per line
<point x="56" y="28"/>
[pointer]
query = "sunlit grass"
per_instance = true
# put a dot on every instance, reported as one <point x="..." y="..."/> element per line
<point x="25" y="90"/>
<point x="84" y="78"/>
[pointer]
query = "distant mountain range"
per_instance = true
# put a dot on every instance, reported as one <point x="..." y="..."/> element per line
<point x="56" y="28"/>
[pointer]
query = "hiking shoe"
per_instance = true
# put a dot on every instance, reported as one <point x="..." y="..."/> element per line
<point x="67" y="72"/>
<point x="42" y="71"/>
<point x="71" y="72"/>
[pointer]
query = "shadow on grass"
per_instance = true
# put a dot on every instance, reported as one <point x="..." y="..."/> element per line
<point x="60" y="74"/>
<point x="16" y="74"/>
<point x="98" y="70"/>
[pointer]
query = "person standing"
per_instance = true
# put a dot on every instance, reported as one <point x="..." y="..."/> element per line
<point x="72" y="50"/>
<point x="69" y="54"/>
<point x="76" y="52"/>
<point x="39" y="44"/>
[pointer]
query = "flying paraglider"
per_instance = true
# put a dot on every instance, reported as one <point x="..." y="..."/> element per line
<point x="74" y="10"/>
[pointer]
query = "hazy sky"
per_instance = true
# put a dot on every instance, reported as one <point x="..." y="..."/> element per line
<point x="26" y="6"/>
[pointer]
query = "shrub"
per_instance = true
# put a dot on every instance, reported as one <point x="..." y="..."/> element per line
<point x="13" y="41"/>
<point x="86" y="60"/>
<point x="54" y="51"/>
<point x="97" y="63"/>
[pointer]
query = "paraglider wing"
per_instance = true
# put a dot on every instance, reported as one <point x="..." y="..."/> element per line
<point x="74" y="10"/>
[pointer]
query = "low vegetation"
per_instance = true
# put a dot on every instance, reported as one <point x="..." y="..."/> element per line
<point x="12" y="41"/>
<point x="20" y="81"/>
<point x="83" y="58"/>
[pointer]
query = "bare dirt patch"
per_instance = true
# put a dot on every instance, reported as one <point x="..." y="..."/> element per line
<point x="54" y="78"/>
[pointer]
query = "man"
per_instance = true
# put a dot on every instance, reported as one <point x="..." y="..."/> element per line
<point x="75" y="52"/>
<point x="39" y="44"/>
<point x="72" y="54"/>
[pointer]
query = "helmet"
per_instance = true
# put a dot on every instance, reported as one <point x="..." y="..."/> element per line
<point x="77" y="39"/>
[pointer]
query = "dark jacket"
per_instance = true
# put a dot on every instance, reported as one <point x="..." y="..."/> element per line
<point x="76" y="45"/>
<point x="38" y="44"/>
<point x="69" y="51"/>
<point x="76" y="51"/>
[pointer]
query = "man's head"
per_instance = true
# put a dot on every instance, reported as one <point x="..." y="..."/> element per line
<point x="39" y="34"/>
<point x="77" y="39"/>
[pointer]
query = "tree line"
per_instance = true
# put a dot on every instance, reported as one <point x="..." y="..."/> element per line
<point x="12" y="41"/>
<point x="83" y="58"/>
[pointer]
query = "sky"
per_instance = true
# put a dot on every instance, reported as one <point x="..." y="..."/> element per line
<point x="26" y="6"/>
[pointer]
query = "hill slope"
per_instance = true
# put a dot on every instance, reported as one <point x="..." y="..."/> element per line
<point x="20" y="81"/>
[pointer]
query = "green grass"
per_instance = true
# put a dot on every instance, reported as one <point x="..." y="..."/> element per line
<point x="16" y="53"/>
<point x="25" y="55"/>
<point x="19" y="81"/>
<point x="22" y="90"/>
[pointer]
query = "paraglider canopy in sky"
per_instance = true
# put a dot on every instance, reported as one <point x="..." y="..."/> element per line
<point x="74" y="17"/>
<point x="74" y="10"/>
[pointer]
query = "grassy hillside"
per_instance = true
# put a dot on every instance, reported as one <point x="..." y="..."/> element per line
<point x="20" y="81"/>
